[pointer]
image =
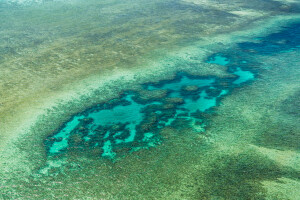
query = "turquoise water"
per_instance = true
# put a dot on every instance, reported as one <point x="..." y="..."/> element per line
<point x="201" y="104"/>
<point x="127" y="123"/>
<point x="243" y="76"/>
<point x="111" y="126"/>
<point x="64" y="135"/>
<point x="130" y="114"/>
<point x="220" y="60"/>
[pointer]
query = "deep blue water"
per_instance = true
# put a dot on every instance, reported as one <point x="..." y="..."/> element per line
<point x="286" y="40"/>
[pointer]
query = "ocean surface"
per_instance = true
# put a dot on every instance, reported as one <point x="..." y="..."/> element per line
<point x="135" y="99"/>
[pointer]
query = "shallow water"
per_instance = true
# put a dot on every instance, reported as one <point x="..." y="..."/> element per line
<point x="118" y="125"/>
<point x="220" y="60"/>
<point x="190" y="95"/>
<point x="141" y="99"/>
<point x="131" y="124"/>
<point x="243" y="76"/>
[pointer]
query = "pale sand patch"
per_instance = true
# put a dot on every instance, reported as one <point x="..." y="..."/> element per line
<point x="284" y="188"/>
<point x="218" y="5"/>
<point x="248" y="13"/>
<point x="286" y="158"/>
<point x="288" y="1"/>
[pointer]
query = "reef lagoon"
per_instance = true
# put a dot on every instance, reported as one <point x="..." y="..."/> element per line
<point x="134" y="99"/>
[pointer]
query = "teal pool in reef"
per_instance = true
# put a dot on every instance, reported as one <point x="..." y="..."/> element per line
<point x="243" y="76"/>
<point x="218" y="59"/>
<point x="132" y="123"/>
